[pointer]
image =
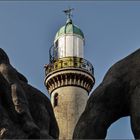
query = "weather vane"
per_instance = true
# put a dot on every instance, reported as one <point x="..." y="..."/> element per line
<point x="68" y="12"/>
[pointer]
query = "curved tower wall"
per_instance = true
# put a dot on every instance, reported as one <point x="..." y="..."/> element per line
<point x="69" y="88"/>
<point x="71" y="103"/>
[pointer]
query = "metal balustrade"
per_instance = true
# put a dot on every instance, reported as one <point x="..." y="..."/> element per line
<point x="67" y="62"/>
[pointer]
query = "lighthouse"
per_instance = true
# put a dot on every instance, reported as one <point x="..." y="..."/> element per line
<point x="69" y="77"/>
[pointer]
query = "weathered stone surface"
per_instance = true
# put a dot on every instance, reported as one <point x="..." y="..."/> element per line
<point x="117" y="96"/>
<point x="25" y="112"/>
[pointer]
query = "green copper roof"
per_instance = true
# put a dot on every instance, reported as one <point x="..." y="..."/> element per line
<point x="69" y="28"/>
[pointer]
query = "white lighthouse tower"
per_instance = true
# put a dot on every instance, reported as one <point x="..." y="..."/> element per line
<point x="69" y="77"/>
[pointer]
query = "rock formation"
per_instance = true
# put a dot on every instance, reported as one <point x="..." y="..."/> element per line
<point x="25" y="112"/>
<point x="117" y="96"/>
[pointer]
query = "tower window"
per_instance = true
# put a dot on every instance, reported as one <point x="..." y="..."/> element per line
<point x="55" y="100"/>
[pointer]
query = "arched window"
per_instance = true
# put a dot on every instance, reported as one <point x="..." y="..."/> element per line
<point x="55" y="100"/>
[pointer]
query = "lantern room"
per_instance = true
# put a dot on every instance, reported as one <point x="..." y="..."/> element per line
<point x="68" y="42"/>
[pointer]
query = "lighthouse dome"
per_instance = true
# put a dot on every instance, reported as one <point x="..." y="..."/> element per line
<point x="69" y="28"/>
<point x="69" y="41"/>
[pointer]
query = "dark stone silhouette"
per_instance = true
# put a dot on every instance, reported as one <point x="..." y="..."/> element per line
<point x="25" y="112"/>
<point x="117" y="96"/>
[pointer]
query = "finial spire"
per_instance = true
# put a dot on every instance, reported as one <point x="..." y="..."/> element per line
<point x="68" y="13"/>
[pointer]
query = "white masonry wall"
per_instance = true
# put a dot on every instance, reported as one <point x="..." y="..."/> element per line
<point x="70" y="45"/>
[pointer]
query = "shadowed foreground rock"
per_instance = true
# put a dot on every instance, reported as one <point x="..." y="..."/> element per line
<point x="25" y="112"/>
<point x="117" y="96"/>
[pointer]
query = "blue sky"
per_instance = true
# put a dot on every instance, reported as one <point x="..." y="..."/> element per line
<point x="111" y="29"/>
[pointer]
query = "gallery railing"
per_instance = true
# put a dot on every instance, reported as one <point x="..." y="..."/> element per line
<point x="67" y="62"/>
